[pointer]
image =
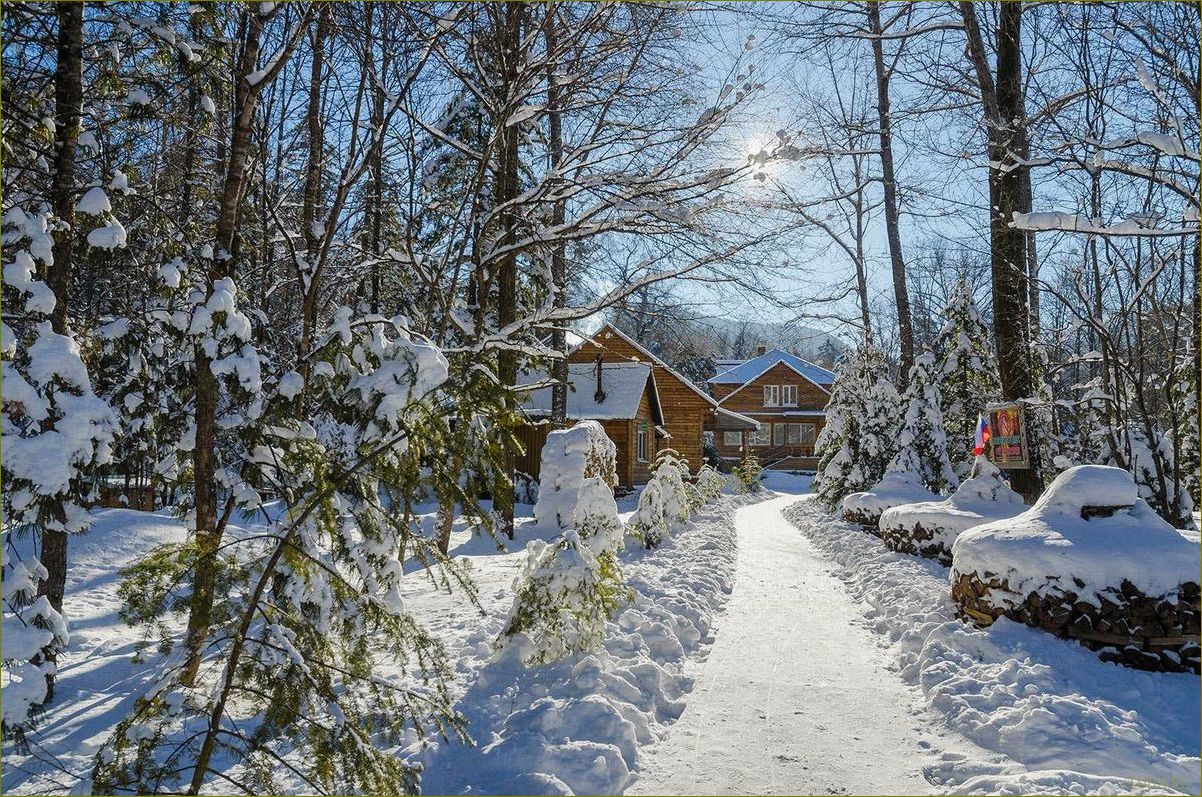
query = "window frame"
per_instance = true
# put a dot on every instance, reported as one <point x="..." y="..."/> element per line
<point x="761" y="437"/>
<point x="738" y="441"/>
<point x="778" y="434"/>
<point x="785" y="391"/>
<point x="813" y="427"/>
<point x="793" y="437"/>
<point x="640" y="445"/>
<point x="771" y="395"/>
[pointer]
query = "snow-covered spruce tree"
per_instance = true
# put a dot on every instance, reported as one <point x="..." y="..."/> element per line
<point x="649" y="523"/>
<point x="670" y="470"/>
<point x="570" y="588"/>
<point x="747" y="473"/>
<point x="54" y="433"/>
<point x="710" y="483"/>
<point x="1044" y="440"/>
<point x="665" y="501"/>
<point x="967" y="373"/>
<point x="860" y="434"/>
<point x="307" y="627"/>
<point x="1185" y="394"/>
<point x="147" y="359"/>
<point x="922" y="428"/>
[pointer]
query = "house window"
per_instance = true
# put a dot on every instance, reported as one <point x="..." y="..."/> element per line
<point x="732" y="439"/>
<point x="807" y="434"/>
<point x="788" y="395"/>
<point x="778" y="434"/>
<point x="795" y="434"/>
<point x="642" y="445"/>
<point x="761" y="436"/>
<point x="771" y="395"/>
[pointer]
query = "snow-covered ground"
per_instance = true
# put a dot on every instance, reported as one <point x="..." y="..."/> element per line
<point x="758" y="655"/>
<point x="1054" y="718"/>
<point x="580" y="724"/>
<point x="794" y="697"/>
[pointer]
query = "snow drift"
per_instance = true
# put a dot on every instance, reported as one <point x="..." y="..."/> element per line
<point x="1057" y="717"/>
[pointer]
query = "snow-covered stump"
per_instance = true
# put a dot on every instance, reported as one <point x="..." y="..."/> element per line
<point x="929" y="528"/>
<point x="569" y="457"/>
<point x="1091" y="562"/>
<point x="900" y="485"/>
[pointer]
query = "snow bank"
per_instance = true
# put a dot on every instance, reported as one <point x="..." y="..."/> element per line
<point x="929" y="528"/>
<point x="576" y="726"/>
<point x="1054" y="542"/>
<point x="901" y="484"/>
<point x="1050" y="710"/>
<point x="569" y="456"/>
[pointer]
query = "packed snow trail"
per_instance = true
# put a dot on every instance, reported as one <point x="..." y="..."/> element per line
<point x="794" y="698"/>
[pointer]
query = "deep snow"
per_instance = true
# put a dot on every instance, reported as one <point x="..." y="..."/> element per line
<point x="836" y="666"/>
<point x="1054" y="717"/>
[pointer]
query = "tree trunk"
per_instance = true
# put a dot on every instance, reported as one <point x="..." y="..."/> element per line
<point x="68" y="101"/>
<point x="559" y="277"/>
<point x="506" y="188"/>
<point x="204" y="459"/>
<point x="312" y="197"/>
<point x="1011" y="314"/>
<point x="889" y="181"/>
<point x="375" y="187"/>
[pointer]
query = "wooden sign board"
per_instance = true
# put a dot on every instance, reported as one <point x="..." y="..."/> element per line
<point x="1008" y="445"/>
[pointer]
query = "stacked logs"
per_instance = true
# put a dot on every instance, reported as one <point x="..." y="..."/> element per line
<point x="869" y="519"/>
<point x="1127" y="626"/>
<point x="917" y="540"/>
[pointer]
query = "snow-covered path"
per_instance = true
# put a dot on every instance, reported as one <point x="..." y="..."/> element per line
<point x="794" y="697"/>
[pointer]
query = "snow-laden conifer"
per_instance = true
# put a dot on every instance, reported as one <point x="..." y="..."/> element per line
<point x="54" y="433"/>
<point x="922" y="428"/>
<point x="966" y="371"/>
<point x="569" y="588"/>
<point x="860" y="433"/>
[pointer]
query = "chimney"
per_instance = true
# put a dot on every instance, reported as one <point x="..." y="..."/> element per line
<point x="599" y="396"/>
<point x="761" y="350"/>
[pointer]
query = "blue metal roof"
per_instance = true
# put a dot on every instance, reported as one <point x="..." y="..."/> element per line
<point x="741" y="374"/>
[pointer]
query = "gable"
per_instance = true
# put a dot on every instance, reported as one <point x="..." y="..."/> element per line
<point x="750" y="394"/>
<point x="675" y="391"/>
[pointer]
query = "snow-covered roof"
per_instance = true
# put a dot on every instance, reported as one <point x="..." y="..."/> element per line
<point x="622" y="382"/>
<point x="749" y="370"/>
<point x="741" y="420"/>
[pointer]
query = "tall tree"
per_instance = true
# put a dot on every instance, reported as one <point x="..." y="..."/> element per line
<point x="901" y="295"/>
<point x="1002" y="100"/>
<point x="68" y="108"/>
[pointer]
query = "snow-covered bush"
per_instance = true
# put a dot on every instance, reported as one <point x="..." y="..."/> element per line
<point x="666" y="501"/>
<point x="859" y="436"/>
<point x="922" y="428"/>
<point x="901" y="484"/>
<point x="33" y="633"/>
<point x="649" y="523"/>
<point x="929" y="528"/>
<point x="569" y="588"/>
<point x="569" y="458"/>
<point x="748" y="473"/>
<point x="710" y="483"/>
<point x="966" y="371"/>
<point x="670" y="470"/>
<point x="1092" y="561"/>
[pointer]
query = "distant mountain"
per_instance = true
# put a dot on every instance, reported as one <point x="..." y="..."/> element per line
<point x="740" y="339"/>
